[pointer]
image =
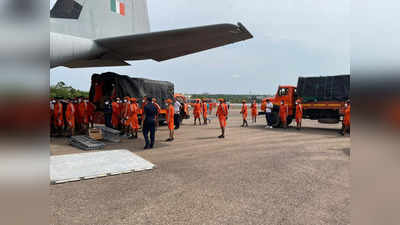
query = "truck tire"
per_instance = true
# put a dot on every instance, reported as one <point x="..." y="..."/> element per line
<point x="275" y="120"/>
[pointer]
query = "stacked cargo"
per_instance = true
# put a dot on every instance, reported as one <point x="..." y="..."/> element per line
<point x="86" y="143"/>
<point x="110" y="134"/>
<point x="327" y="88"/>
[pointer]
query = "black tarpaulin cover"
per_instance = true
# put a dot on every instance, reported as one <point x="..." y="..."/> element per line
<point x="327" y="88"/>
<point x="132" y="87"/>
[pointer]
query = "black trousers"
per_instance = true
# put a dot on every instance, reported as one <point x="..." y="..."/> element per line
<point x="268" y="117"/>
<point x="149" y="127"/>
<point x="177" y="120"/>
<point x="107" y="118"/>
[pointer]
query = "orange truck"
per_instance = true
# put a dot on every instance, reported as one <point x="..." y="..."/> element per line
<point x="323" y="99"/>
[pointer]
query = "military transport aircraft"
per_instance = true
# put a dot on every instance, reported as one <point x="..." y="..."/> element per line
<point x="97" y="33"/>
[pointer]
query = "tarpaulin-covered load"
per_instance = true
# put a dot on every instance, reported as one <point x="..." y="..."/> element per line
<point x="327" y="88"/>
<point x="112" y="85"/>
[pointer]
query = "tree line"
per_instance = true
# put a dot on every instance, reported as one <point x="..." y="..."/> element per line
<point x="232" y="98"/>
<point x="61" y="90"/>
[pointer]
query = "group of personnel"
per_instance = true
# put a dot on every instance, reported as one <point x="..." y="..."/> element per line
<point x="267" y="108"/>
<point x="126" y="115"/>
<point x="70" y="116"/>
<point x="204" y="107"/>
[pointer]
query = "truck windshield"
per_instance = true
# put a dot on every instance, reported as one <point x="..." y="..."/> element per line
<point x="283" y="91"/>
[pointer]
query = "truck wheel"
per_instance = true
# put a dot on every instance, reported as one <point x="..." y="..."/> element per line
<point x="275" y="120"/>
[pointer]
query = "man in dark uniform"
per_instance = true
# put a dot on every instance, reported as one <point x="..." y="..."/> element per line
<point x="150" y="114"/>
<point x="108" y="113"/>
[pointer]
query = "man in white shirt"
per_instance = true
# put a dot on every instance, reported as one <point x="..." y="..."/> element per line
<point x="268" y="113"/>
<point x="177" y="115"/>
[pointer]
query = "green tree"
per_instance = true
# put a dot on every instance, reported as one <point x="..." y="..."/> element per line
<point x="61" y="90"/>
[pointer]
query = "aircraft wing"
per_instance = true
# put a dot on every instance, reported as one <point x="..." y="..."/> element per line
<point x="170" y="44"/>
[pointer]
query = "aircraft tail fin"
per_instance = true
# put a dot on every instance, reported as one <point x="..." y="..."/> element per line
<point x="96" y="19"/>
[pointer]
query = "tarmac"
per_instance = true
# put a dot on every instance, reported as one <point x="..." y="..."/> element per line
<point x="253" y="176"/>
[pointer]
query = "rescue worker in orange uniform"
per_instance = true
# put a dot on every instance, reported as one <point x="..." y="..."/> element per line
<point x="346" y="118"/>
<point x="283" y="113"/>
<point x="197" y="111"/>
<point x="264" y="108"/>
<point x="98" y="92"/>
<point x="299" y="114"/>
<point x="254" y="112"/>
<point x="210" y="106"/>
<point x="222" y="114"/>
<point x="204" y="111"/>
<point x="154" y="101"/>
<point x="116" y="112"/>
<point x="70" y="117"/>
<point x="91" y="110"/>
<point x="84" y="116"/>
<point x="170" y="119"/>
<point x="244" y="113"/>
<point x="133" y="117"/>
<point x="125" y="115"/>
<point x="120" y="104"/>
<point x="58" y="117"/>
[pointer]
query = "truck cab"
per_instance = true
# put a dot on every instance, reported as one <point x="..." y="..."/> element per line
<point x="289" y="95"/>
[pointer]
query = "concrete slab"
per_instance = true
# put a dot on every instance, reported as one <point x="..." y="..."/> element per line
<point x="74" y="167"/>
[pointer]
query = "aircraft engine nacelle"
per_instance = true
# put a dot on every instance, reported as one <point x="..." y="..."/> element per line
<point x="67" y="48"/>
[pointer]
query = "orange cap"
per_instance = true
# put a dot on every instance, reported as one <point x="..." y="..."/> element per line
<point x="169" y="101"/>
<point x="133" y="99"/>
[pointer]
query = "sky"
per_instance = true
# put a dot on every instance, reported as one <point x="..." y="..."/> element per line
<point x="292" y="38"/>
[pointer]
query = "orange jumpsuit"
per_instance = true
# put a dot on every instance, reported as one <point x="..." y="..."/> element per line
<point x="116" y="112"/>
<point x="299" y="113"/>
<point x="70" y="115"/>
<point x="204" y="109"/>
<point x="157" y="106"/>
<point x="244" y="111"/>
<point x="346" y="118"/>
<point x="264" y="106"/>
<point x="197" y="110"/>
<point x="126" y="112"/>
<point x="170" y="117"/>
<point x="254" y="109"/>
<point x="133" y="118"/>
<point x="58" y="115"/>
<point x="222" y="113"/>
<point x="283" y="112"/>
<point x="83" y="113"/>
<point x="90" y="112"/>
<point x="98" y="92"/>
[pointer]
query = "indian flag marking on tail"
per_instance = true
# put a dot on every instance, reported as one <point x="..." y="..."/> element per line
<point x="118" y="6"/>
